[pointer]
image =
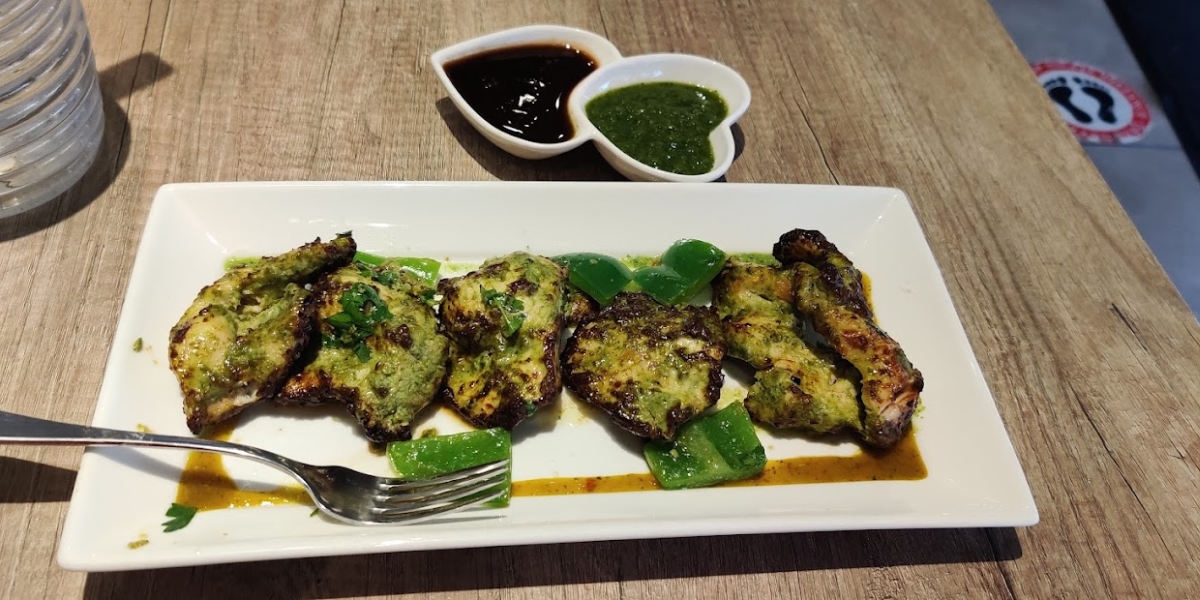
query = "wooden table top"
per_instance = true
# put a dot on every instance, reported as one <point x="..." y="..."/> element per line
<point x="1089" y="350"/>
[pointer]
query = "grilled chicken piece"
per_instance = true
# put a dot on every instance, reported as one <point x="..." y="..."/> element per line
<point x="797" y="384"/>
<point x="650" y="367"/>
<point x="838" y="274"/>
<point x="504" y="320"/>
<point x="828" y="290"/>
<point x="577" y="306"/>
<point x="385" y="359"/>
<point x="235" y="343"/>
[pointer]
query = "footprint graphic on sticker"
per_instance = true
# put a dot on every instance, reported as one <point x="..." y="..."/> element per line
<point x="1097" y="105"/>
<point x="1099" y="93"/>
<point x="1060" y="92"/>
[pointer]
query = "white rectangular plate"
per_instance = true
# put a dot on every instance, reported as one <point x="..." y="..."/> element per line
<point x="121" y="494"/>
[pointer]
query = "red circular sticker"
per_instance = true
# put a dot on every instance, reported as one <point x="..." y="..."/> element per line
<point x="1098" y="106"/>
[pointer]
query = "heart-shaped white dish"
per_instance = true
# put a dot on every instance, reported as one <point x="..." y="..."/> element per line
<point x="676" y="68"/>
<point x="599" y="48"/>
<point x="612" y="71"/>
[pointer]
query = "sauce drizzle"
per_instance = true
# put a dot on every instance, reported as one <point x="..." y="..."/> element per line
<point x="206" y="485"/>
<point x="902" y="462"/>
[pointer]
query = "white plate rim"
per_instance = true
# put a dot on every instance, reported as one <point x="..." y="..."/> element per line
<point x="75" y="553"/>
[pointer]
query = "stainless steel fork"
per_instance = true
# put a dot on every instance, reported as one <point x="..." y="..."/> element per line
<point x="344" y="494"/>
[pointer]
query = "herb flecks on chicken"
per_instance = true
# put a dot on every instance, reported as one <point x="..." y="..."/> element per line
<point x="380" y="352"/>
<point x="828" y="290"/>
<point x="504" y="321"/>
<point x="651" y="367"/>
<point x="235" y="344"/>
<point x="797" y="384"/>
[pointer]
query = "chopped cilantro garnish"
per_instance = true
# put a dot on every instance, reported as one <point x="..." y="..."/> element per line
<point x="137" y="345"/>
<point x="362" y="310"/>
<point x="378" y="274"/>
<point x="314" y="512"/>
<point x="180" y="516"/>
<point x="511" y="317"/>
<point x="386" y="277"/>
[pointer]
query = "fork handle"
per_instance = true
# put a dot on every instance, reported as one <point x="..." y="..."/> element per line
<point x="20" y="429"/>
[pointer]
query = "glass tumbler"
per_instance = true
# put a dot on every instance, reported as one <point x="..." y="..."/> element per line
<point x="51" y="118"/>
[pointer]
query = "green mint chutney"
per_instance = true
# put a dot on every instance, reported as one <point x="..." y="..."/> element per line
<point x="662" y="124"/>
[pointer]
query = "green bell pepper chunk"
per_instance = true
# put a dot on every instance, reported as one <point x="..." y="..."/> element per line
<point x="429" y="457"/>
<point x="599" y="276"/>
<point x="685" y="268"/>
<point x="368" y="258"/>
<point x="710" y="449"/>
<point x="424" y="268"/>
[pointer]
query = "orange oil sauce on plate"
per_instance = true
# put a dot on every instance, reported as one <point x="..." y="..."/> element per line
<point x="902" y="462"/>
<point x="206" y="485"/>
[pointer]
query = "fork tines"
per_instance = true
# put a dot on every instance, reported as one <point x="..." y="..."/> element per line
<point x="413" y="500"/>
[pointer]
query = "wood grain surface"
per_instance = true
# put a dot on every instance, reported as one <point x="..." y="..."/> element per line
<point x="1090" y="352"/>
